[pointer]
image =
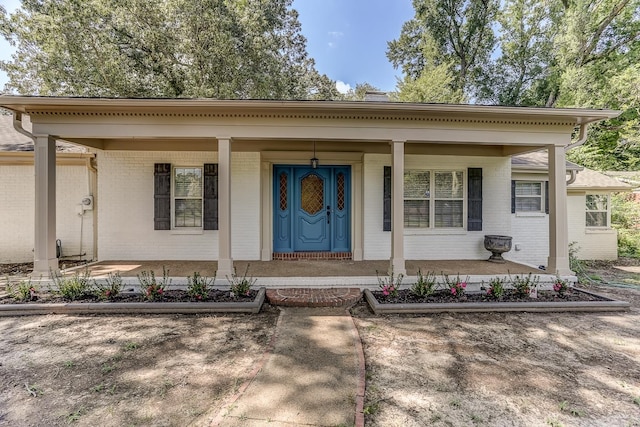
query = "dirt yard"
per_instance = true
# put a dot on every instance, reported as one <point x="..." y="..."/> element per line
<point x="125" y="370"/>
<point x="573" y="369"/>
<point x="570" y="369"/>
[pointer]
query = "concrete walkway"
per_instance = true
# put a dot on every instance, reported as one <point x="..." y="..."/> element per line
<point x="314" y="375"/>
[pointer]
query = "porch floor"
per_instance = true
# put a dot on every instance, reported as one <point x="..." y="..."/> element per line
<point x="311" y="268"/>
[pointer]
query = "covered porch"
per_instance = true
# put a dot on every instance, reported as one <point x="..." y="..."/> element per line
<point x="249" y="138"/>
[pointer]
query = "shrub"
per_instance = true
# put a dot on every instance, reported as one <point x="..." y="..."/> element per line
<point x="390" y="285"/>
<point x="241" y="286"/>
<point x="456" y="286"/>
<point x="426" y="284"/>
<point x="560" y="286"/>
<point x="153" y="289"/>
<point x="75" y="287"/>
<point x="111" y="288"/>
<point x="496" y="288"/>
<point x="198" y="287"/>
<point x="524" y="284"/>
<point x="22" y="291"/>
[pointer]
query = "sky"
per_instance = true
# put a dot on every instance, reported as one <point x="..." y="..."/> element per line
<point x="347" y="38"/>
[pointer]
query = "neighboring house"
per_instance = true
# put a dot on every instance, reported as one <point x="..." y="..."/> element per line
<point x="588" y="207"/>
<point x="202" y="179"/>
<point x="74" y="180"/>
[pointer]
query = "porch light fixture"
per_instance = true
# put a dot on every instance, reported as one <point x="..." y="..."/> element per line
<point x="314" y="160"/>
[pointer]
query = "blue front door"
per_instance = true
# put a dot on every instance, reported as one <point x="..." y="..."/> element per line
<point x="312" y="209"/>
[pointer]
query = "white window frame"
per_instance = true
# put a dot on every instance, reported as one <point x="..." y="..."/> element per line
<point x="542" y="197"/>
<point x="431" y="197"/>
<point x="187" y="228"/>
<point x="607" y="211"/>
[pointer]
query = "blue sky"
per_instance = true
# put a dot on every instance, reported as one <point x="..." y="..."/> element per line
<point x="347" y="38"/>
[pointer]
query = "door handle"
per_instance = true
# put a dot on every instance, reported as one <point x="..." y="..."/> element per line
<point x="328" y="214"/>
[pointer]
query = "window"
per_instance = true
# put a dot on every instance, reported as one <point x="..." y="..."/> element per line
<point x="597" y="210"/>
<point x="529" y="196"/>
<point x="187" y="197"/>
<point x="433" y="199"/>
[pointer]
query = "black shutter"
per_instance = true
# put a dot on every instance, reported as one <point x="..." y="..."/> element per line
<point x="546" y="197"/>
<point x="210" y="196"/>
<point x="474" y="201"/>
<point x="513" y="196"/>
<point x="162" y="196"/>
<point x="386" y="200"/>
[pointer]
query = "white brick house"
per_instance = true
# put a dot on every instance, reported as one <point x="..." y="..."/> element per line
<point x="217" y="180"/>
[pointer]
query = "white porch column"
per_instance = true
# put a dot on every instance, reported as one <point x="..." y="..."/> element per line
<point x="397" y="208"/>
<point x="225" y="261"/>
<point x="44" y="252"/>
<point x="558" y="262"/>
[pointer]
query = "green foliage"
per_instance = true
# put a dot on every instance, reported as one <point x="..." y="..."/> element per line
<point x="524" y="284"/>
<point x="75" y="287"/>
<point x="625" y="217"/>
<point x="198" y="286"/>
<point x="425" y="285"/>
<point x="151" y="288"/>
<point x="456" y="286"/>
<point x="111" y="288"/>
<point x="444" y="32"/>
<point x="390" y="284"/>
<point x="161" y="48"/>
<point x="496" y="288"/>
<point x="241" y="286"/>
<point x="22" y="291"/>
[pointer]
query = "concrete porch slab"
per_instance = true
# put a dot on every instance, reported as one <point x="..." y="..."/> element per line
<point x="318" y="273"/>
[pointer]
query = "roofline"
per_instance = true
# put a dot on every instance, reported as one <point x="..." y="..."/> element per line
<point x="24" y="104"/>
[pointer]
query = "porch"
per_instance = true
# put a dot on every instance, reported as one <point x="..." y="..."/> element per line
<point x="316" y="273"/>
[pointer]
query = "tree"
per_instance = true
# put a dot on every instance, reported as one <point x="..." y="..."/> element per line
<point x="456" y="33"/>
<point x="161" y="48"/>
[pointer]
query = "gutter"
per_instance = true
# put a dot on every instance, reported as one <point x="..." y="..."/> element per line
<point x="17" y="125"/>
<point x="582" y="137"/>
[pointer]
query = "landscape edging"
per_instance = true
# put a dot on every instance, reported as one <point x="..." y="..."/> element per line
<point x="478" y="307"/>
<point x="135" y="307"/>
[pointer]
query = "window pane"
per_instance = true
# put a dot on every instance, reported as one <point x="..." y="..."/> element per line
<point x="528" y="204"/>
<point x="596" y="202"/>
<point x="596" y="219"/>
<point x="416" y="184"/>
<point x="449" y="185"/>
<point x="524" y="188"/>
<point x="188" y="182"/>
<point x="416" y="213"/>
<point x="188" y="213"/>
<point x="448" y="213"/>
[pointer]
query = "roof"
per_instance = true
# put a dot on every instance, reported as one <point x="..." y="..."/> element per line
<point x="537" y="161"/>
<point x="576" y="116"/>
<point x="12" y="140"/>
<point x="586" y="179"/>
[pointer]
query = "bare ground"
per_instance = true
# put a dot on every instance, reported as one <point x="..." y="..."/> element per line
<point x="125" y="370"/>
<point x="445" y="370"/>
<point x="562" y="369"/>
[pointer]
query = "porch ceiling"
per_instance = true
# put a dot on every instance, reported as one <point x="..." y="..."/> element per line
<point x="303" y="146"/>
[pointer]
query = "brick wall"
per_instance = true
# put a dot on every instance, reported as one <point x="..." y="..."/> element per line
<point x="126" y="231"/>
<point x="438" y="244"/>
<point x="17" y="212"/>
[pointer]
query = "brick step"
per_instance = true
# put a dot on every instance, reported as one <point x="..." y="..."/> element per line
<point x="333" y="256"/>
<point x="314" y="297"/>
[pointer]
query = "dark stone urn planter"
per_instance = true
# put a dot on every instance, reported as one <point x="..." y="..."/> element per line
<point x="497" y="245"/>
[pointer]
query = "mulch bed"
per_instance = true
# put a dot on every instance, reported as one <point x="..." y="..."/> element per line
<point x="214" y="295"/>
<point x="405" y="296"/>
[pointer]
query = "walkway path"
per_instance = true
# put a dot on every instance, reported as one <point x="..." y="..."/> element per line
<point x="314" y="375"/>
